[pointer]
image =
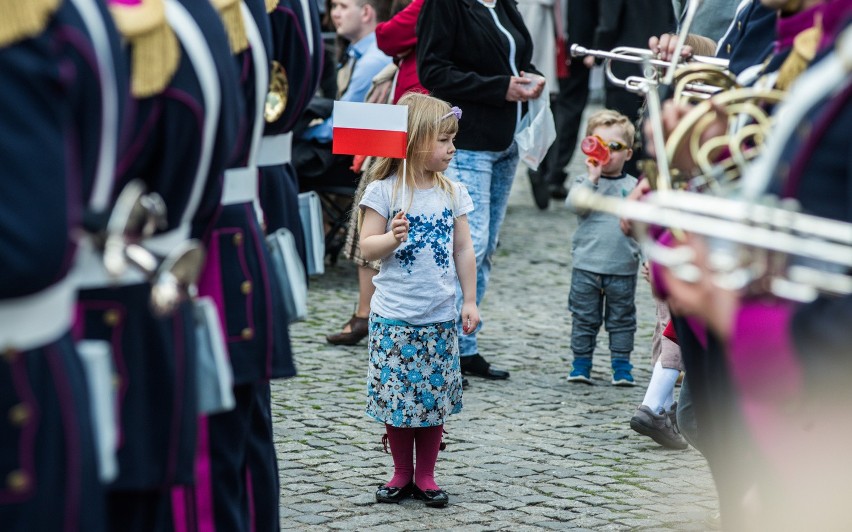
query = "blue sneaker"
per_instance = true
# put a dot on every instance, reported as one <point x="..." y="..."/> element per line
<point x="621" y="375"/>
<point x="581" y="371"/>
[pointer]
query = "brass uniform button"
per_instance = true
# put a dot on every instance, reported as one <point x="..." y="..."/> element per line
<point x="238" y="239"/>
<point x="739" y="25"/>
<point x="112" y="317"/>
<point x="247" y="334"/>
<point x="18" y="481"/>
<point x="19" y="414"/>
<point x="245" y="288"/>
<point x="728" y="48"/>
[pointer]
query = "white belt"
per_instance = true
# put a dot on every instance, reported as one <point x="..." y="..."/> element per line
<point x="90" y="272"/>
<point x="275" y="150"/>
<point x="36" y="320"/>
<point x="240" y="186"/>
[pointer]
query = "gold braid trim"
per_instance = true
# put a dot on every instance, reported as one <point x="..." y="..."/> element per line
<point x="232" y="17"/>
<point x="271" y="5"/>
<point x="22" y="19"/>
<point x="155" y="52"/>
<point x="804" y="49"/>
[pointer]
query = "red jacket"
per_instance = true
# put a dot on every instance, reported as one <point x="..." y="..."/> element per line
<point x="397" y="38"/>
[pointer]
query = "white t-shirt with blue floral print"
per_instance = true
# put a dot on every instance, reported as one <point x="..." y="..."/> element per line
<point x="417" y="282"/>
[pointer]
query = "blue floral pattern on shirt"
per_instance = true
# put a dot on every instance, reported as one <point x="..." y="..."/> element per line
<point x="434" y="232"/>
<point x="414" y="377"/>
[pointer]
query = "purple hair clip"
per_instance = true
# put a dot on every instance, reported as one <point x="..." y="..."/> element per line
<point x="454" y="111"/>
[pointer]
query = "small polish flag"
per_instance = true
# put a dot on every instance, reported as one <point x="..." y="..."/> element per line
<point x="370" y="129"/>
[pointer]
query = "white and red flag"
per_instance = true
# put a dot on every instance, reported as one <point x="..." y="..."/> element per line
<point x="374" y="129"/>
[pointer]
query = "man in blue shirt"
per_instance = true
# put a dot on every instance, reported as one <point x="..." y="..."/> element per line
<point x="355" y="21"/>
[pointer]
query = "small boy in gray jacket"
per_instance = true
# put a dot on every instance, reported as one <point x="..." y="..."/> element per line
<point x="603" y="281"/>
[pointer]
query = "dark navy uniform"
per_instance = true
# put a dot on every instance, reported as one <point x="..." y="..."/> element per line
<point x="55" y="59"/>
<point x="175" y="147"/>
<point x="297" y="47"/>
<point x="236" y="468"/>
<point x="750" y="37"/>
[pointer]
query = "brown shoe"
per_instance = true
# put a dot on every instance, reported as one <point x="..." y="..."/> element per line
<point x="358" y="330"/>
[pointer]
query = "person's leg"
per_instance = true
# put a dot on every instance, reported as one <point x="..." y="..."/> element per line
<point x="427" y="441"/>
<point x="401" y="441"/>
<point x="356" y="328"/>
<point x="652" y="418"/>
<point x="659" y="395"/>
<point x="503" y="166"/>
<point x="620" y="322"/>
<point x="570" y="103"/>
<point x="585" y="303"/>
<point x="262" y="482"/>
<point x="686" y="421"/>
<point x="473" y="169"/>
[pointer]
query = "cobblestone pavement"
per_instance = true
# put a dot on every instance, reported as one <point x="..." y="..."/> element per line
<point x="534" y="452"/>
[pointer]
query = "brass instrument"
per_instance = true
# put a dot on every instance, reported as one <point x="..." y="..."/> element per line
<point x="754" y="243"/>
<point x="722" y="158"/>
<point x="136" y="216"/>
<point x="700" y="78"/>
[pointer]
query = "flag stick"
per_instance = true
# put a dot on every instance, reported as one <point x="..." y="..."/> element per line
<point x="404" y="179"/>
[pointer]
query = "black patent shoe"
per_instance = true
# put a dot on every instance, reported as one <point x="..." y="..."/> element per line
<point x="433" y="498"/>
<point x="390" y="494"/>
<point x="477" y="366"/>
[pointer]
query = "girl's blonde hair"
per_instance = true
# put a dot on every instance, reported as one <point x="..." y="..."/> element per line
<point x="428" y="119"/>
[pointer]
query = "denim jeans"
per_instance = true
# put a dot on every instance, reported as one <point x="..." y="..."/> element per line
<point x="597" y="299"/>
<point x="488" y="176"/>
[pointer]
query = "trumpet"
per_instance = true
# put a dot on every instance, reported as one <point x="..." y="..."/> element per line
<point x="756" y="249"/>
<point x="699" y="79"/>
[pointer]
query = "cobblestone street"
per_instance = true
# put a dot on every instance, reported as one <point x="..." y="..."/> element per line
<point x="534" y="452"/>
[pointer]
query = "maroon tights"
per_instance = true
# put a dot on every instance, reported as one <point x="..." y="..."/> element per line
<point x="403" y="441"/>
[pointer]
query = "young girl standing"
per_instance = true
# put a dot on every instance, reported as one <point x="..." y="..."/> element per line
<point x="419" y="230"/>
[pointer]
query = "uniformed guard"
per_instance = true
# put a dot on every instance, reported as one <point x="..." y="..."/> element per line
<point x="180" y="128"/>
<point x="296" y="67"/>
<point x="237" y="487"/>
<point x="56" y="58"/>
<point x="772" y="394"/>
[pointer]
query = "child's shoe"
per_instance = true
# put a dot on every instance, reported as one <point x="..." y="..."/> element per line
<point x="581" y="371"/>
<point x="621" y="375"/>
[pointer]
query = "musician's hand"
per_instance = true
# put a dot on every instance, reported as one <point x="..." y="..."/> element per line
<point x="664" y="47"/>
<point x="589" y="61"/>
<point x="641" y="188"/>
<point x="703" y="299"/>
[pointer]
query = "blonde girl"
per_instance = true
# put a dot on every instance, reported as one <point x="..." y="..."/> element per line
<point x="417" y="225"/>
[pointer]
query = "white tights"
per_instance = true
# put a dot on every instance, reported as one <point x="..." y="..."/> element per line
<point x="660" y="394"/>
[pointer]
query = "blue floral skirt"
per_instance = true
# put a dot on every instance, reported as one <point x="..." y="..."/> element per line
<point x="414" y="379"/>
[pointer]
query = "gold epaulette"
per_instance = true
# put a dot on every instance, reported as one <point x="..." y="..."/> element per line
<point x="271" y="5"/>
<point x="24" y="19"/>
<point x="232" y="17"/>
<point x="804" y="50"/>
<point x="155" y="52"/>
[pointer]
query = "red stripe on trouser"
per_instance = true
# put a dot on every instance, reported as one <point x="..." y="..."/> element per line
<point x="369" y="142"/>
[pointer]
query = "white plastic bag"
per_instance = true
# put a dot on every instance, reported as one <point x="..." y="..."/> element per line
<point x="536" y="131"/>
<point x="310" y="211"/>
<point x="290" y="273"/>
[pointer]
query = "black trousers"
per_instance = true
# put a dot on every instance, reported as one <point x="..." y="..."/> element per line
<point x="568" y="113"/>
